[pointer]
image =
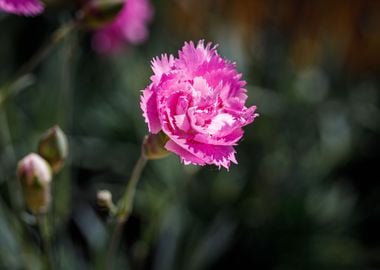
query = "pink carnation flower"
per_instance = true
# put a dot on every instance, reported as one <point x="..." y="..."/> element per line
<point x="129" y="26"/>
<point x="198" y="101"/>
<point x="22" y="7"/>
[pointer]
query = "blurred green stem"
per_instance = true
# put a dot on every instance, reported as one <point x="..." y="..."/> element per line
<point x="125" y="206"/>
<point x="21" y="77"/>
<point x="43" y="224"/>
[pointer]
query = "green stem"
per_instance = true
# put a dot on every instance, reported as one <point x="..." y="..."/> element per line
<point x="126" y="202"/>
<point x="43" y="225"/>
<point x="21" y="77"/>
<point x="125" y="206"/>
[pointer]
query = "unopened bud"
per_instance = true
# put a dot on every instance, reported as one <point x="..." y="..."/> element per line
<point x="154" y="146"/>
<point x="98" y="13"/>
<point x="53" y="148"/>
<point x="104" y="200"/>
<point x="35" y="176"/>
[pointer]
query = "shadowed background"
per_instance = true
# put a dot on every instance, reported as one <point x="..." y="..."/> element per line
<point x="305" y="194"/>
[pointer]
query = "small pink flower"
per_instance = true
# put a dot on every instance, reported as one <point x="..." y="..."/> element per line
<point x="34" y="169"/>
<point x="130" y="26"/>
<point x="198" y="101"/>
<point x="22" y="7"/>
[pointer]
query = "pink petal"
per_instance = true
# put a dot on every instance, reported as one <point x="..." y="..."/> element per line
<point x="129" y="26"/>
<point x="200" y="87"/>
<point x="186" y="156"/>
<point x="161" y="66"/>
<point x="219" y="155"/>
<point x="219" y="121"/>
<point x="182" y="122"/>
<point x="22" y="7"/>
<point x="231" y="139"/>
<point x="191" y="57"/>
<point x="148" y="105"/>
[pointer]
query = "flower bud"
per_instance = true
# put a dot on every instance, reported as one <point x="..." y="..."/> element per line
<point x="104" y="200"/>
<point x="35" y="177"/>
<point x="153" y="146"/>
<point x="98" y="13"/>
<point x="53" y="148"/>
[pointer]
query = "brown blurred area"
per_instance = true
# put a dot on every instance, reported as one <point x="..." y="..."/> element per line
<point x="347" y="30"/>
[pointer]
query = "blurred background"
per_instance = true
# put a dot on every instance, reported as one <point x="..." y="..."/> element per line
<point x="306" y="191"/>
